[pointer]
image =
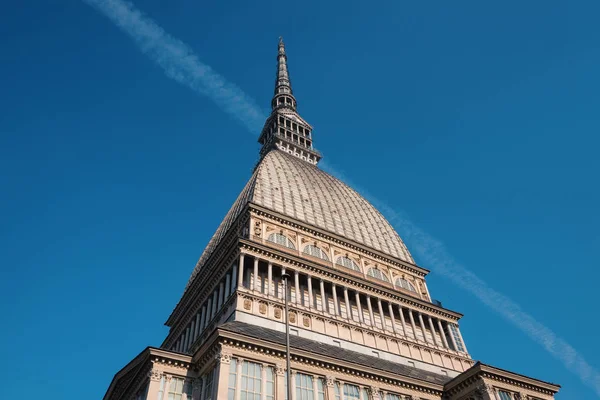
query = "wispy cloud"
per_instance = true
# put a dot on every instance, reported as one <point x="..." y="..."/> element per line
<point x="433" y="254"/>
<point x="179" y="62"/>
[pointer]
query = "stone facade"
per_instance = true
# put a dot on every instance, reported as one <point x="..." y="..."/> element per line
<point x="363" y="323"/>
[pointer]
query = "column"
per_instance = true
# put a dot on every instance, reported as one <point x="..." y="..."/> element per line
<point x="342" y="397"/>
<point x="370" y="307"/>
<point x="203" y="319"/>
<point x="220" y="386"/>
<point x="208" y="312"/>
<point x="263" y="383"/>
<point x="361" y="317"/>
<point x="281" y="281"/>
<point x="214" y="303"/>
<point x="391" y="311"/>
<point x="442" y="334"/>
<point x="402" y="321"/>
<point x="336" y="307"/>
<point x="191" y="341"/>
<point x="422" y="324"/>
<point x="197" y="326"/>
<point x="234" y="274"/>
<point x="256" y="282"/>
<point x="297" y="287"/>
<point x="227" y="285"/>
<point x="279" y="382"/>
<point x="238" y="381"/>
<point x="330" y="387"/>
<point x="269" y="279"/>
<point x="381" y="315"/>
<point x="347" y="300"/>
<point x="293" y="384"/>
<point x="221" y="295"/>
<point x="435" y="340"/>
<point x="156" y="384"/>
<point x="203" y="394"/>
<point x="310" y="293"/>
<point x="323" y="298"/>
<point x="241" y="271"/>
<point x="412" y="323"/>
<point x="315" y="387"/>
<point x="186" y="337"/>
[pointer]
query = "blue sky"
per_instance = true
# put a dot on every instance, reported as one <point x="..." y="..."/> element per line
<point x="479" y="122"/>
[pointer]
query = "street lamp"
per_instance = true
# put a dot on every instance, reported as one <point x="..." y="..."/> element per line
<point x="285" y="278"/>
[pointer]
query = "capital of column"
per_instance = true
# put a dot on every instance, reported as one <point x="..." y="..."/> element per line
<point x="330" y="380"/>
<point x="279" y="369"/>
<point x="155" y="374"/>
<point x="223" y="357"/>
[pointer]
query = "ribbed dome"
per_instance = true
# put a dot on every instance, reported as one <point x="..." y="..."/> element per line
<point x="293" y="187"/>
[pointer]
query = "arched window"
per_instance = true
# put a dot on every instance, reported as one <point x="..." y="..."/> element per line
<point x="348" y="263"/>
<point x="282" y="240"/>
<point x="314" y="251"/>
<point x="377" y="274"/>
<point x="404" y="284"/>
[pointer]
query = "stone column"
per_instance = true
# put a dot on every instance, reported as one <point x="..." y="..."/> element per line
<point x="208" y="312"/>
<point x="315" y="386"/>
<point x="269" y="279"/>
<point x="435" y="340"/>
<point x="196" y="389"/>
<point x="203" y="319"/>
<point x="203" y="394"/>
<point x="280" y="381"/>
<point x="336" y="308"/>
<point x="234" y="274"/>
<point x="154" y="386"/>
<point x="412" y="323"/>
<point x="240" y="280"/>
<point x="443" y="334"/>
<point x="402" y="321"/>
<point x="374" y="393"/>
<point x="238" y="380"/>
<point x="391" y="311"/>
<point x="221" y="377"/>
<point x="197" y="326"/>
<point x="381" y="315"/>
<point x="329" y="387"/>
<point x="221" y="295"/>
<point x="192" y="329"/>
<point x="186" y="338"/>
<point x="263" y="381"/>
<point x="370" y="307"/>
<point x="310" y="293"/>
<point x="422" y="324"/>
<point x="342" y="397"/>
<point x="256" y="282"/>
<point x="293" y="384"/>
<point x="227" y="285"/>
<point x="324" y="305"/>
<point x="452" y="338"/>
<point x="281" y="280"/>
<point x="297" y="287"/>
<point x="361" y="317"/>
<point x="214" y="303"/>
<point x="348" y="307"/>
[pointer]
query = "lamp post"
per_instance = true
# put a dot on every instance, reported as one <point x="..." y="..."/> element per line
<point x="286" y="277"/>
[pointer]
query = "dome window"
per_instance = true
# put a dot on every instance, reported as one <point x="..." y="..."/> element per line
<point x="377" y="274"/>
<point x="348" y="263"/>
<point x="315" y="251"/>
<point x="282" y="240"/>
<point x="404" y="284"/>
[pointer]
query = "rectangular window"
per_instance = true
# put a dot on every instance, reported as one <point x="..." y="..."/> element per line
<point x="161" y="388"/>
<point x="251" y="383"/>
<point x="270" y="384"/>
<point x="304" y="387"/>
<point x="351" y="392"/>
<point x="208" y="385"/>
<point x="503" y="394"/>
<point x="175" y="389"/>
<point x="320" y="389"/>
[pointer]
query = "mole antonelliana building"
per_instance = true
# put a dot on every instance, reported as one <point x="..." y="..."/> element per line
<point x="363" y="325"/>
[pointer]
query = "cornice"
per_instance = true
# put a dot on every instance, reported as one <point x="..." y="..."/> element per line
<point x="340" y="240"/>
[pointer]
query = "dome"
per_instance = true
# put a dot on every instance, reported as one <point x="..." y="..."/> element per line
<point x="295" y="188"/>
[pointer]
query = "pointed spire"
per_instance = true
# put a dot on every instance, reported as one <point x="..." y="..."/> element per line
<point x="284" y="96"/>
<point x="285" y="129"/>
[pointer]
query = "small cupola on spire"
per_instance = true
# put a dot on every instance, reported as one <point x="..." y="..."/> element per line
<point x="285" y="129"/>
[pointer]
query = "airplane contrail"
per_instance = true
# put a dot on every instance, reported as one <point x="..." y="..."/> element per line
<point x="181" y="64"/>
